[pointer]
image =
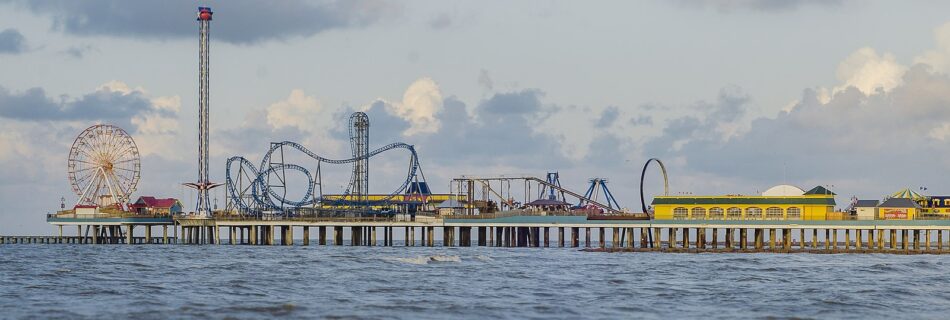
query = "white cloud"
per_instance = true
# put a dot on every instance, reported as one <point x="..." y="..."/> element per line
<point x="869" y="71"/>
<point x="298" y="110"/>
<point x="420" y="105"/>
<point x="938" y="58"/>
<point x="119" y="86"/>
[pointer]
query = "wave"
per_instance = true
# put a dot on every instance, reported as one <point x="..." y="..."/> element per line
<point x="420" y="260"/>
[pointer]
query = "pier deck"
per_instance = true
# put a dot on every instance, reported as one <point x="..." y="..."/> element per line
<point x="577" y="231"/>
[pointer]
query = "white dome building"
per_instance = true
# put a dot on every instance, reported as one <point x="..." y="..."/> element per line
<point x="783" y="190"/>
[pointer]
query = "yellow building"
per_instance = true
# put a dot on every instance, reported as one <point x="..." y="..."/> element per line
<point x="815" y="204"/>
<point x="898" y="209"/>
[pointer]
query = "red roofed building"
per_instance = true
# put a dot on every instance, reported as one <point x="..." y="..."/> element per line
<point x="153" y="206"/>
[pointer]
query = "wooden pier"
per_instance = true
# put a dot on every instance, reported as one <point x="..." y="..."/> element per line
<point x="828" y="236"/>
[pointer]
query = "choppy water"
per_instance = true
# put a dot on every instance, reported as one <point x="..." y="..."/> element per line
<point x="160" y="282"/>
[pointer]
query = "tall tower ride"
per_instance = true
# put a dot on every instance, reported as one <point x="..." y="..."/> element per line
<point x="203" y="185"/>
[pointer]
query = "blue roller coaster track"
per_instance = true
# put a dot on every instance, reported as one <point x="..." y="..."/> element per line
<point x="263" y="197"/>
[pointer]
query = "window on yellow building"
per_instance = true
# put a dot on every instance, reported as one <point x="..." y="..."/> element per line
<point x="753" y="213"/>
<point x="734" y="212"/>
<point x="680" y="213"/>
<point x="774" y="213"/>
<point x="698" y="213"/>
<point x="715" y="213"/>
<point x="794" y="213"/>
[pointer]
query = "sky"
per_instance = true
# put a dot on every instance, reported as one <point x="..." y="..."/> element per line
<point x="734" y="96"/>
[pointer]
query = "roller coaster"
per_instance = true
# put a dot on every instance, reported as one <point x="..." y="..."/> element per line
<point x="258" y="190"/>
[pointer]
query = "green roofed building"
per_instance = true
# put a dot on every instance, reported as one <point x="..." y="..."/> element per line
<point x="815" y="204"/>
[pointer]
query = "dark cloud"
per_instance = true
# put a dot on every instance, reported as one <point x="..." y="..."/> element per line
<point x="761" y="5"/>
<point x="863" y="143"/>
<point x="11" y="41"/>
<point x="503" y="105"/>
<point x="78" y="52"/>
<point x="104" y="104"/>
<point x="728" y="108"/>
<point x="440" y="21"/>
<point x="608" y="117"/>
<point x="641" y="120"/>
<point x="236" y="21"/>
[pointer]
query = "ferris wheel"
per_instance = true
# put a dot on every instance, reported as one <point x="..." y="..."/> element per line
<point x="104" y="166"/>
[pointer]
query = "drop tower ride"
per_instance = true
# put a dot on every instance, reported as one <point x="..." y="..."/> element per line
<point x="203" y="207"/>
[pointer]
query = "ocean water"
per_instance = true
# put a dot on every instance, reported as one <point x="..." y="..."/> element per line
<point x="250" y="282"/>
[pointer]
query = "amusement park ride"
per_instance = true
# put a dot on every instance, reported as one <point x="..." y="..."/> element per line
<point x="104" y="167"/>
<point x="262" y="190"/>
<point x="104" y="170"/>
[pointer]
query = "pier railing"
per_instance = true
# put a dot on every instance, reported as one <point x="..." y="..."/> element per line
<point x="109" y="215"/>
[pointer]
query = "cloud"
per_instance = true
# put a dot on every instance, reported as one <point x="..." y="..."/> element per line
<point x="12" y="42"/>
<point x="608" y="117"/>
<point x="240" y="21"/>
<point x="773" y="6"/>
<point x="441" y="21"/>
<point x="938" y="58"/>
<point x="420" y="106"/>
<point x="113" y="101"/>
<point x="862" y="142"/>
<point x="298" y="110"/>
<point x="78" y="52"/>
<point x="868" y="71"/>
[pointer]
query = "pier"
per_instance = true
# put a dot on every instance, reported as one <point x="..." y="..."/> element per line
<point x="522" y="230"/>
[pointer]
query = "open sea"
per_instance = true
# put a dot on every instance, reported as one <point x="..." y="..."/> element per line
<point x="249" y="282"/>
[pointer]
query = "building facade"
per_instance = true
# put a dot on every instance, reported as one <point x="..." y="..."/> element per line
<point x="815" y="204"/>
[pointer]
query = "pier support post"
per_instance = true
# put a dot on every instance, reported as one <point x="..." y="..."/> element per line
<point x="729" y="238"/>
<point x="165" y="234"/>
<point x="893" y="242"/>
<point x="337" y="236"/>
<point x="834" y="240"/>
<point x="927" y="240"/>
<point x="560" y="237"/>
<point x="814" y="238"/>
<point x="871" y="242"/>
<point x="858" y="239"/>
<point x="905" y="242"/>
<point x="575" y="237"/>
<point x="482" y="236"/>
<point x="643" y="238"/>
<point x="587" y="238"/>
<point x="939" y="240"/>
<point x="715" y="238"/>
<point x="447" y="236"/>
<point x="743" y="238"/>
<point x="671" y="238"/>
<point x="772" y="240"/>
<point x="656" y="238"/>
<point x="306" y="235"/>
<point x="685" y="238"/>
<point x="758" y="239"/>
<point x="148" y="233"/>
<point x="615" y="237"/>
<point x="372" y="240"/>
<point x="322" y="235"/>
<point x="847" y="240"/>
<point x="630" y="240"/>
<point x="431" y="236"/>
<point x="801" y="239"/>
<point x="602" y="238"/>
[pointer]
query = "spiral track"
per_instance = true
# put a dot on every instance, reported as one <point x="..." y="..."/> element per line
<point x="263" y="198"/>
